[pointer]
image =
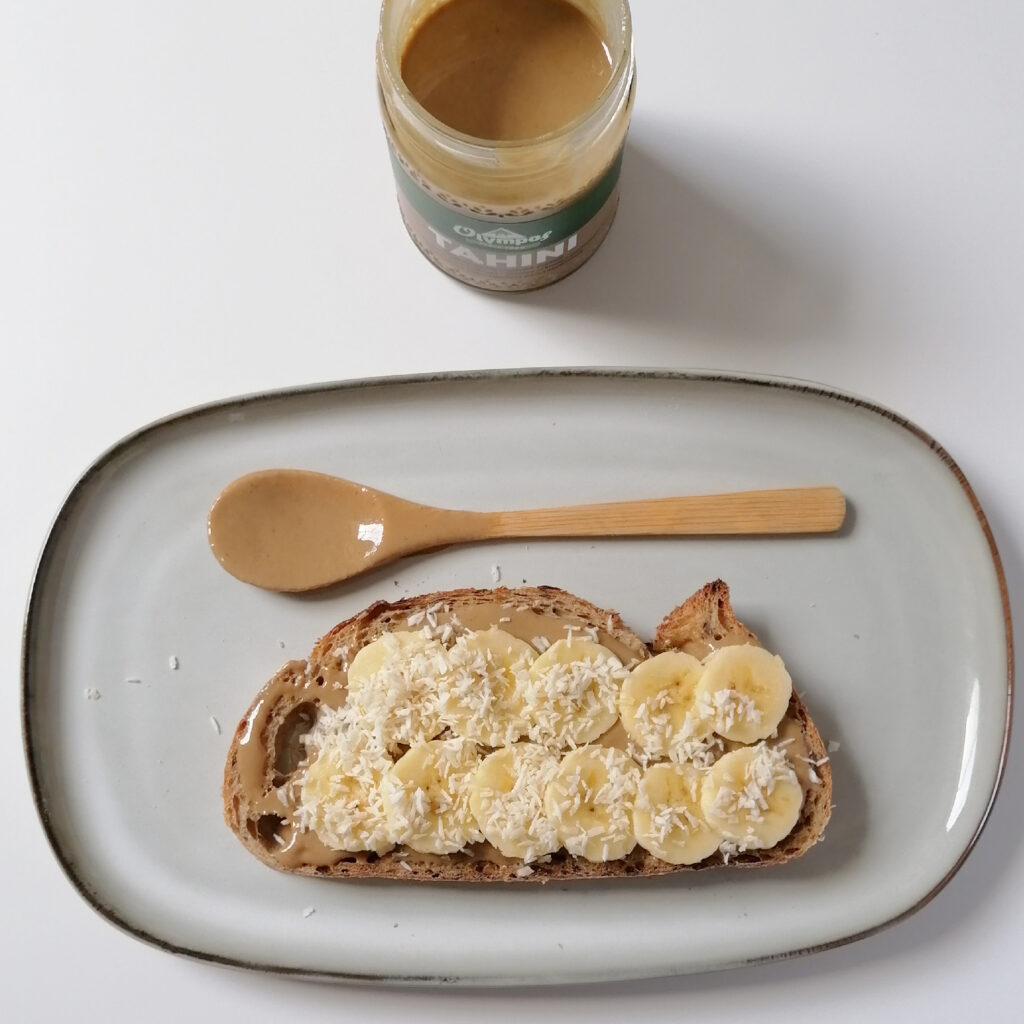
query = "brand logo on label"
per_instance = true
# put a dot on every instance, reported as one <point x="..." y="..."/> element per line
<point x="501" y="238"/>
<point x="509" y="260"/>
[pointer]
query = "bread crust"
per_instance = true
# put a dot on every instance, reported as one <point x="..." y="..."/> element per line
<point x="702" y="622"/>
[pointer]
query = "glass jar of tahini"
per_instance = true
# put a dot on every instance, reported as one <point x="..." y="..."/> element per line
<point x="506" y="124"/>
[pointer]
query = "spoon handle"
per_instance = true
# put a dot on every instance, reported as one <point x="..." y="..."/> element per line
<point x="794" y="510"/>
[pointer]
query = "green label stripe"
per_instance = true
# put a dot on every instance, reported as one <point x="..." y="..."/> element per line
<point x="506" y="234"/>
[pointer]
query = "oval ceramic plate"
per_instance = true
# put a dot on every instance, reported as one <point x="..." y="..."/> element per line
<point x="141" y="654"/>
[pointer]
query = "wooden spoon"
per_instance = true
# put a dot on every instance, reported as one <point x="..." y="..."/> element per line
<point x="292" y="530"/>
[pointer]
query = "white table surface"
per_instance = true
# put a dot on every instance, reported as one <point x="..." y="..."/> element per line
<point x="195" y="202"/>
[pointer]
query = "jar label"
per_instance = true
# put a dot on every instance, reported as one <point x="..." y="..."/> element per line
<point x="493" y="251"/>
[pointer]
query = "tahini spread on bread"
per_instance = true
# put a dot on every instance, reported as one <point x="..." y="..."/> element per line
<point x="528" y="739"/>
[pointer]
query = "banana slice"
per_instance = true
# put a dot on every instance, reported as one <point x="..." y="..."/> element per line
<point x="341" y="797"/>
<point x="506" y="794"/>
<point x="752" y="796"/>
<point x="744" y="692"/>
<point x="590" y="799"/>
<point x="657" y="704"/>
<point x="572" y="697"/>
<point x="482" y="696"/>
<point x="393" y="685"/>
<point x="426" y="796"/>
<point x="667" y="818"/>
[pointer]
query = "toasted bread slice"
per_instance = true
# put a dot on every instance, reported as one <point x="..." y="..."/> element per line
<point x="267" y="752"/>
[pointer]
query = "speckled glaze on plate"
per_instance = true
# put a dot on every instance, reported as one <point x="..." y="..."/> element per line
<point x="141" y="654"/>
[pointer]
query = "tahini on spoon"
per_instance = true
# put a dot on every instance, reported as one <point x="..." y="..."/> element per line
<point x="293" y="530"/>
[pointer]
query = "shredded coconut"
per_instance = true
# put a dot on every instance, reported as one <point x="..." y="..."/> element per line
<point x="509" y="801"/>
<point x="594" y="790"/>
<point x="740" y="803"/>
<point x="481" y="694"/>
<point x="340" y="797"/>
<point x="438" y="819"/>
<point x="573" y="692"/>
<point x="397" y="702"/>
<point x="727" y="707"/>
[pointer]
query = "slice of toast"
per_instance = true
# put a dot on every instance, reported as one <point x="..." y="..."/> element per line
<point x="268" y="752"/>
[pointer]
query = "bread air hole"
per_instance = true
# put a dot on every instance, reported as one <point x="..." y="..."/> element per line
<point x="267" y="827"/>
<point x="289" y="750"/>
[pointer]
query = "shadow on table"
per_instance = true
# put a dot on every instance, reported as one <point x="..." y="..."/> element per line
<point x="682" y="257"/>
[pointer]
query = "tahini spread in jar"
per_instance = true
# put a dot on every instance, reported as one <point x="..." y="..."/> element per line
<point x="506" y="123"/>
<point x="510" y="71"/>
